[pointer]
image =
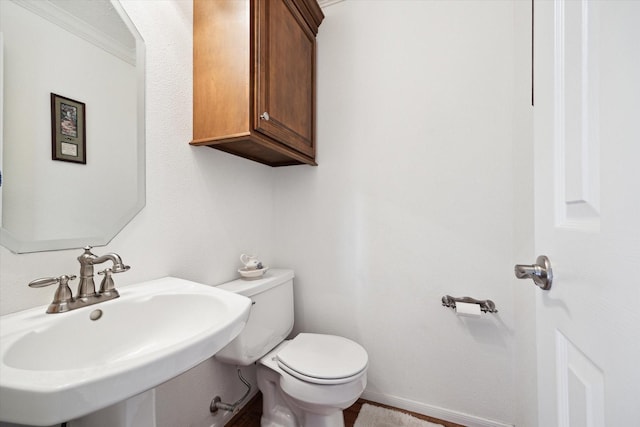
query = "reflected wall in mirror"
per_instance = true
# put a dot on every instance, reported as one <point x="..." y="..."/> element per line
<point x="87" y="51"/>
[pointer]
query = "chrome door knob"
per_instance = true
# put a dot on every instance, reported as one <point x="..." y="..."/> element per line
<point x="541" y="272"/>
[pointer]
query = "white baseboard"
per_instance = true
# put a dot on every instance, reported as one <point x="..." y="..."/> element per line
<point x="432" y="411"/>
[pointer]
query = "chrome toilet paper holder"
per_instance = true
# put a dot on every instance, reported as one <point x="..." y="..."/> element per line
<point x="486" y="306"/>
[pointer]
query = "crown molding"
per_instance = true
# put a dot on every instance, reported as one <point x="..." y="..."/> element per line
<point x="78" y="27"/>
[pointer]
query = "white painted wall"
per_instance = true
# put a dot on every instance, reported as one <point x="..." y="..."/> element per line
<point x="415" y="197"/>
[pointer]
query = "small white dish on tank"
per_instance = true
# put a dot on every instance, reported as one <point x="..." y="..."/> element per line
<point x="252" y="273"/>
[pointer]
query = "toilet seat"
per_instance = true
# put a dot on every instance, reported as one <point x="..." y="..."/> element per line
<point x="323" y="359"/>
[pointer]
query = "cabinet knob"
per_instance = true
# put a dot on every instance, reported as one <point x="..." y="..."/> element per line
<point x="264" y="116"/>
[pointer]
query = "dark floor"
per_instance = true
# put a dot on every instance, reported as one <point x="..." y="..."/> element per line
<point x="249" y="416"/>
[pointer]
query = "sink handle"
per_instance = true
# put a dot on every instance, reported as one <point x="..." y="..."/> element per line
<point x="107" y="287"/>
<point x="48" y="281"/>
<point x="45" y="281"/>
<point x="63" y="296"/>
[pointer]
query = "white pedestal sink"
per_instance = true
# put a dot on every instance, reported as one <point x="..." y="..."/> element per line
<point x="60" y="367"/>
<point x="136" y="411"/>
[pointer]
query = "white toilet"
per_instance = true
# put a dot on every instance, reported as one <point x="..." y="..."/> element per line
<point x="306" y="381"/>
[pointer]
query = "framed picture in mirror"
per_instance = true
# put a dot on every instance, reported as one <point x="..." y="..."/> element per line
<point x="68" y="131"/>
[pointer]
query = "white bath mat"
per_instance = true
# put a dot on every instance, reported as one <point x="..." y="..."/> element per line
<point x="376" y="416"/>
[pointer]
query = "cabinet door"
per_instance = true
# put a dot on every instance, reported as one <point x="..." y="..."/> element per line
<point x="284" y="107"/>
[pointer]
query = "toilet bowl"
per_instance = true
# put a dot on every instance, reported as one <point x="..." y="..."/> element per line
<point x="313" y="378"/>
<point x="306" y="381"/>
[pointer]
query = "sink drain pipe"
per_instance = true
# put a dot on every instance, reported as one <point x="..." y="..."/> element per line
<point x="217" y="402"/>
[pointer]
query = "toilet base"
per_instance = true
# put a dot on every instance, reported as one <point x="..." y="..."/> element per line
<point x="280" y="418"/>
<point x="281" y="410"/>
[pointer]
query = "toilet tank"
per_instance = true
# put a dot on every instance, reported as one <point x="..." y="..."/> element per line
<point x="270" y="320"/>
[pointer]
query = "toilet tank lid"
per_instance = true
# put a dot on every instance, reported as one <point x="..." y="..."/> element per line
<point x="272" y="278"/>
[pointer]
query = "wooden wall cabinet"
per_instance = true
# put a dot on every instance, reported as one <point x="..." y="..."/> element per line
<point x="254" y="78"/>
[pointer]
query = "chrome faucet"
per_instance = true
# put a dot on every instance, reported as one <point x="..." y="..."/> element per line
<point x="87" y="287"/>
<point x="63" y="299"/>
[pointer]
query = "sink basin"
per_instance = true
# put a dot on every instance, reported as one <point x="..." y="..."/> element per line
<point x="57" y="367"/>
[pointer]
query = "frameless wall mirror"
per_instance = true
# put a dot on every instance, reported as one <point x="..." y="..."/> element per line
<point x="73" y="130"/>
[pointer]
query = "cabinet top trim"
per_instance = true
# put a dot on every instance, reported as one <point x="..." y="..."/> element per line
<point x="310" y="10"/>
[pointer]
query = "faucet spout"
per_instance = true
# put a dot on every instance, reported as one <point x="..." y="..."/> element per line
<point x="87" y="286"/>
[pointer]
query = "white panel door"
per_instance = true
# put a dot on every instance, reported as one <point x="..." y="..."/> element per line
<point x="587" y="195"/>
